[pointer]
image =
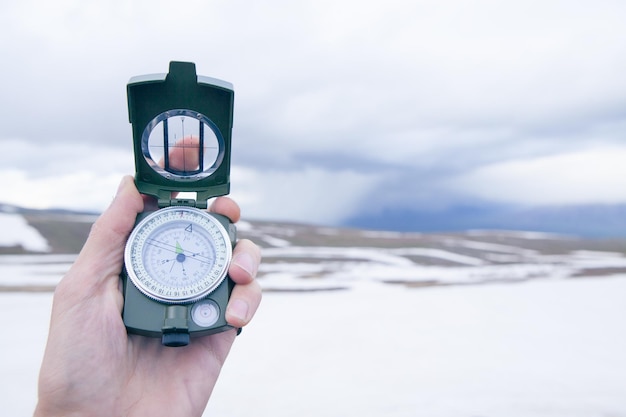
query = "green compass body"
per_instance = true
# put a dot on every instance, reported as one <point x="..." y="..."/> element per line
<point x="176" y="260"/>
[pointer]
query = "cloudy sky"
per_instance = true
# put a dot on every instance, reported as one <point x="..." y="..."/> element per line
<point x="341" y="107"/>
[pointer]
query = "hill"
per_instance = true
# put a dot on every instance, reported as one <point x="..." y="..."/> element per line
<point x="591" y="220"/>
<point x="299" y="257"/>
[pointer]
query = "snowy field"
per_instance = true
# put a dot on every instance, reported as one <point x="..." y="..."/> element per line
<point x="541" y="348"/>
<point x="334" y="338"/>
<point x="16" y="231"/>
<point x="546" y="348"/>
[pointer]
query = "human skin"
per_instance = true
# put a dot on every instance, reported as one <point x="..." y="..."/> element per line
<point x="92" y="367"/>
<point x="185" y="155"/>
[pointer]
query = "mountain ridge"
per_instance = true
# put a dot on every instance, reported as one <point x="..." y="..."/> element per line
<point x="68" y="229"/>
<point x="585" y="220"/>
<point x="588" y="220"/>
<point x="305" y="257"/>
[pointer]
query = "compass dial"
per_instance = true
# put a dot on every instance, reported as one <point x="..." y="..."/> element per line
<point x="178" y="254"/>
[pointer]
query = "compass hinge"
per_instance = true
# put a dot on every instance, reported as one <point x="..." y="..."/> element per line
<point x="186" y="202"/>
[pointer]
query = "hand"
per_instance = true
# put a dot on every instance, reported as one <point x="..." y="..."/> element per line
<point x="92" y="367"/>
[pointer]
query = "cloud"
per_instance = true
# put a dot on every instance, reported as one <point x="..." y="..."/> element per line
<point x="590" y="176"/>
<point x="392" y="103"/>
<point x="75" y="176"/>
<point x="80" y="190"/>
<point x="53" y="159"/>
<point x="304" y="195"/>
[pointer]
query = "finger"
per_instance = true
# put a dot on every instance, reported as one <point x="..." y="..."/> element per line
<point x="104" y="247"/>
<point x="245" y="263"/>
<point x="246" y="295"/>
<point x="226" y="207"/>
<point x="243" y="304"/>
<point x="184" y="155"/>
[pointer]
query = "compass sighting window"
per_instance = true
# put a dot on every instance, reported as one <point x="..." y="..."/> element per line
<point x="184" y="144"/>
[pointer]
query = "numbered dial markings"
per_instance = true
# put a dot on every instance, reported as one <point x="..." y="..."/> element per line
<point x="178" y="254"/>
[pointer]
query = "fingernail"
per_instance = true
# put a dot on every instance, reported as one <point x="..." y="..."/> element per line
<point x="246" y="262"/>
<point x="238" y="309"/>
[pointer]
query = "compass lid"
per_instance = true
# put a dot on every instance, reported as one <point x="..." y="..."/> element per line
<point x="182" y="126"/>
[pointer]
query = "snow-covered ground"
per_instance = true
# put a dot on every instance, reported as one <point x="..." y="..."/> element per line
<point x="16" y="231"/>
<point x="345" y="267"/>
<point x="525" y="339"/>
<point x="33" y="270"/>
<point x="539" y="348"/>
<point x="545" y="348"/>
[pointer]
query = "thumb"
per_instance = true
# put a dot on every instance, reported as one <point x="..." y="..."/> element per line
<point x="102" y="253"/>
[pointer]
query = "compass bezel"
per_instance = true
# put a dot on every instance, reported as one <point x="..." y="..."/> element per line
<point x="134" y="255"/>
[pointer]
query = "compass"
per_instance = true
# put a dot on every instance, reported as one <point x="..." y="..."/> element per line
<point x="178" y="255"/>
<point x="176" y="259"/>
